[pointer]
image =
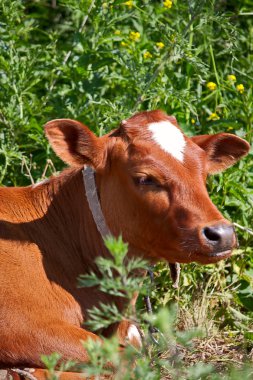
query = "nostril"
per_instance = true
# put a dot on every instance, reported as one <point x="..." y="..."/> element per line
<point x="221" y="236"/>
<point x="212" y="234"/>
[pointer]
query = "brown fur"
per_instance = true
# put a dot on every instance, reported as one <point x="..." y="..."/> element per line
<point x="48" y="236"/>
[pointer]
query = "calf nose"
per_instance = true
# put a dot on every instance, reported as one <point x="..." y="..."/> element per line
<point x="220" y="236"/>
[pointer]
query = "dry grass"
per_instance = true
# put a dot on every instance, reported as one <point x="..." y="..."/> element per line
<point x="221" y="351"/>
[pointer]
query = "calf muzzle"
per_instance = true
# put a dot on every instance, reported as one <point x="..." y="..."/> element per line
<point x="219" y="237"/>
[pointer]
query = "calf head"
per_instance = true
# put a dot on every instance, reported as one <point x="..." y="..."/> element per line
<point x="151" y="180"/>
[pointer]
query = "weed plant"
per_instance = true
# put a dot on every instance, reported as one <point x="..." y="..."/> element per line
<point x="162" y="354"/>
<point x="99" y="62"/>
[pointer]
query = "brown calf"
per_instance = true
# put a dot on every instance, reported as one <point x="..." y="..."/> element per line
<point x="150" y="180"/>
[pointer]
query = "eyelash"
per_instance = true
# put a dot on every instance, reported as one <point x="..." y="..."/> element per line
<point x="146" y="181"/>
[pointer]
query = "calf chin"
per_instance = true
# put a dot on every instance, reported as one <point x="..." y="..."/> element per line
<point x="199" y="257"/>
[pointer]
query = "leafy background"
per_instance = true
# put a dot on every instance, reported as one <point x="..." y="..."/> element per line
<point x="99" y="62"/>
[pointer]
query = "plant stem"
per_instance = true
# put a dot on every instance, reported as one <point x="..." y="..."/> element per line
<point x="188" y="84"/>
<point x="216" y="75"/>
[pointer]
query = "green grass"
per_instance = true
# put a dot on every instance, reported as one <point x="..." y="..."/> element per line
<point x="99" y="62"/>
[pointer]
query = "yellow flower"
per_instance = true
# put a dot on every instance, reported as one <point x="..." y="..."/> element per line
<point x="211" y="86"/>
<point x="129" y="3"/>
<point x="134" y="36"/>
<point x="147" y="55"/>
<point x="160" y="45"/>
<point x="117" y="32"/>
<point x="193" y="121"/>
<point x="213" y="116"/>
<point x="124" y="44"/>
<point x="167" y="4"/>
<point x="240" y="88"/>
<point x="231" y="78"/>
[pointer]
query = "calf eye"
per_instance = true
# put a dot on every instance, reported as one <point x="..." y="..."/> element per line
<point x="145" y="181"/>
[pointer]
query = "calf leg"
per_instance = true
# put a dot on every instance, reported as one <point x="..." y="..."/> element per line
<point x="43" y="374"/>
<point x="128" y="332"/>
<point x="19" y="348"/>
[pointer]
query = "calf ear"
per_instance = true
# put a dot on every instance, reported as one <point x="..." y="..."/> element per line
<point x="73" y="142"/>
<point x="223" y="150"/>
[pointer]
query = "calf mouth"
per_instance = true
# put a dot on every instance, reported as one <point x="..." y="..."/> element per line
<point x="220" y="254"/>
<point x="199" y="254"/>
<point x="212" y="257"/>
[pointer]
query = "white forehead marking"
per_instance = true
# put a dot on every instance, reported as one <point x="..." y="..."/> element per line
<point x="169" y="137"/>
